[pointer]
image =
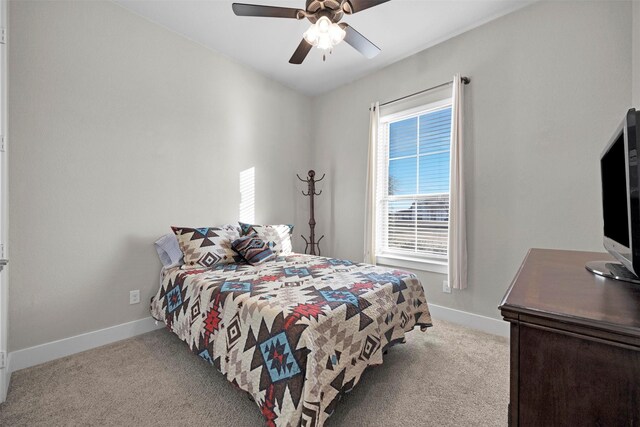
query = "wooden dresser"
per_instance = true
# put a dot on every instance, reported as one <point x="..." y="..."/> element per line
<point x="575" y="343"/>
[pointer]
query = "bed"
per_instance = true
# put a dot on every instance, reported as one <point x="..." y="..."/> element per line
<point x="296" y="333"/>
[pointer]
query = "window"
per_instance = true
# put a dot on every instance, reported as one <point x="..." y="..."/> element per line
<point x="412" y="195"/>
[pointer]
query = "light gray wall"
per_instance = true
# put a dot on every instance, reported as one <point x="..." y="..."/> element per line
<point x="119" y="129"/>
<point x="636" y="54"/>
<point x="550" y="83"/>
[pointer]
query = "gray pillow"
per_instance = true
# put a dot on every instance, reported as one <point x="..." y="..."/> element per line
<point x="169" y="250"/>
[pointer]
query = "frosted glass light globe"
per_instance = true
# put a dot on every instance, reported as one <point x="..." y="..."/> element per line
<point x="324" y="34"/>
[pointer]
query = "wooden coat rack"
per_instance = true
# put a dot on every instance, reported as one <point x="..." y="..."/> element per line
<point x="311" y="244"/>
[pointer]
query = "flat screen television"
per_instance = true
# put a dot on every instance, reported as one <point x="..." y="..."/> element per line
<point x="620" y="174"/>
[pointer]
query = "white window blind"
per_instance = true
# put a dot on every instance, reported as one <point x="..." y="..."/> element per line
<point x="412" y="195"/>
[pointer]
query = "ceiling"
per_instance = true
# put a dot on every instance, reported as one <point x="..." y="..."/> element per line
<point x="399" y="27"/>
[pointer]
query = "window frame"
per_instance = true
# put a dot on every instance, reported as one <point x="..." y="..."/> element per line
<point x="412" y="260"/>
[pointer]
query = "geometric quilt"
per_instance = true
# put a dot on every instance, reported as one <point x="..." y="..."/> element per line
<point x="295" y="333"/>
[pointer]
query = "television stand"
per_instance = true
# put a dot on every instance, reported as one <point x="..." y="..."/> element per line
<point x="575" y="344"/>
<point x="612" y="270"/>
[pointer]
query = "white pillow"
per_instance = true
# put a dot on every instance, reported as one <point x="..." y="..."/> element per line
<point x="169" y="250"/>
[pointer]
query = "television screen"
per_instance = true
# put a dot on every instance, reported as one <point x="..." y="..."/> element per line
<point x="614" y="193"/>
<point x="620" y="177"/>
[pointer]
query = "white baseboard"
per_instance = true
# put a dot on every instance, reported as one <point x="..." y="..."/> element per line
<point x="36" y="355"/>
<point x="42" y="353"/>
<point x="471" y="320"/>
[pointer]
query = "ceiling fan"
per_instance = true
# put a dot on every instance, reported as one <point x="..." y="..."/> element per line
<point x="326" y="30"/>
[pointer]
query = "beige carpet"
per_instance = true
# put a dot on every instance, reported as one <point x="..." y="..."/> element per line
<point x="448" y="376"/>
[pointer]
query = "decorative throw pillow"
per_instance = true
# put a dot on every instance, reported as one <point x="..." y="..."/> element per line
<point x="207" y="246"/>
<point x="169" y="250"/>
<point x="278" y="237"/>
<point x="255" y="250"/>
<point x="232" y="228"/>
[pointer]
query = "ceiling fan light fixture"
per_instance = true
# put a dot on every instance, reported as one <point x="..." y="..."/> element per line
<point x="324" y="34"/>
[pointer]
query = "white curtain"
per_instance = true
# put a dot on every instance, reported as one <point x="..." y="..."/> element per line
<point x="457" y="218"/>
<point x="370" y="195"/>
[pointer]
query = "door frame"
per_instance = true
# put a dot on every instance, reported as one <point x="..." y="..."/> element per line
<point x="5" y="372"/>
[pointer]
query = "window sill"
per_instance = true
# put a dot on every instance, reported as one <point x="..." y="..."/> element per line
<point x="432" y="266"/>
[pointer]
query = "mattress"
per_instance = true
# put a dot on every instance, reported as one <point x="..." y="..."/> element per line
<point x="296" y="333"/>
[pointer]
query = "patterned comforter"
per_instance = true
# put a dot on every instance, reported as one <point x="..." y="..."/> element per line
<point x="295" y="333"/>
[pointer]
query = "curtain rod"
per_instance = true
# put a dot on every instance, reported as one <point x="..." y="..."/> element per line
<point x="465" y="80"/>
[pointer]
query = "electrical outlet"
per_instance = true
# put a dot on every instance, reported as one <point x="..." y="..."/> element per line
<point x="445" y="287"/>
<point x="134" y="297"/>
<point x="3" y="359"/>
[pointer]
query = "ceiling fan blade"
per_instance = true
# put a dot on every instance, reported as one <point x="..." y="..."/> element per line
<point x="359" y="42"/>
<point x="301" y="52"/>
<point x="355" y="6"/>
<point x="242" y="9"/>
